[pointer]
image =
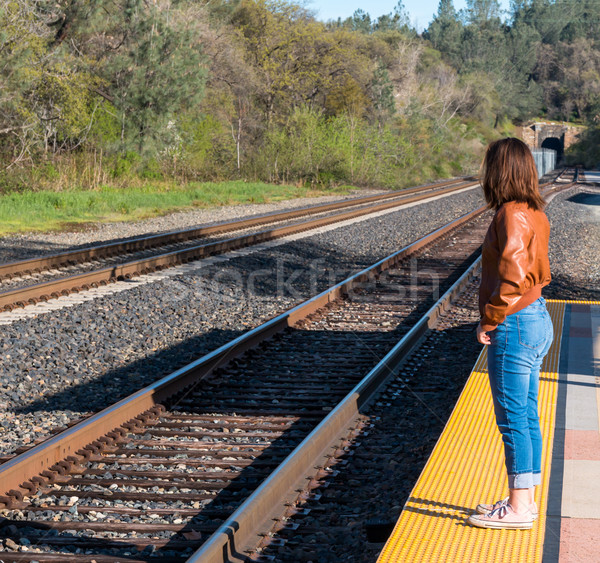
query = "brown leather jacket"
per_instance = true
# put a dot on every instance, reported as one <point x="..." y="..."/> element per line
<point x="514" y="262"/>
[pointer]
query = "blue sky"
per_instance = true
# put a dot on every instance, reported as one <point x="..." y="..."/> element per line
<point x="421" y="11"/>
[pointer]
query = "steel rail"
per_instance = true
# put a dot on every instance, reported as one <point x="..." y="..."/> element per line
<point x="240" y="533"/>
<point x="66" y="445"/>
<point x="44" y="291"/>
<point x="171" y="237"/>
<point x="63" y="286"/>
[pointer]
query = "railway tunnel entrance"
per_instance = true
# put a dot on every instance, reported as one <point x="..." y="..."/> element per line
<point x="555" y="144"/>
<point x="552" y="135"/>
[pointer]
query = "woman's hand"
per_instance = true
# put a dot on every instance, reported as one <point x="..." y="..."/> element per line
<point x="482" y="336"/>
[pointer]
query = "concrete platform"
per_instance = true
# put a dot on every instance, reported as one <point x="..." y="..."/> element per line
<point x="573" y="509"/>
<point x="592" y="176"/>
<point x="467" y="464"/>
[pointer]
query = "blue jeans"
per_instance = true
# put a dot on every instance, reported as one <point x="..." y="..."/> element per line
<point x="515" y="355"/>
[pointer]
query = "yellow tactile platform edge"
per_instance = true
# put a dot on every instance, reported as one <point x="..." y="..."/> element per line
<point x="466" y="467"/>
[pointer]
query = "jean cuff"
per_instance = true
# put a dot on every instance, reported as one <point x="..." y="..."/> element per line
<point x="537" y="479"/>
<point x="521" y="481"/>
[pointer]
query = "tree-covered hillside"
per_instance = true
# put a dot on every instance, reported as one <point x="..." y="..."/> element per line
<point x="114" y="91"/>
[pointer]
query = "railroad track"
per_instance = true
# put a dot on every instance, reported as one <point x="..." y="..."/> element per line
<point x="47" y="277"/>
<point x="357" y="507"/>
<point x="567" y="176"/>
<point x="220" y="447"/>
<point x="198" y="443"/>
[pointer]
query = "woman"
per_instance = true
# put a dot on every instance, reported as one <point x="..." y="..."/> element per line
<point x="515" y="324"/>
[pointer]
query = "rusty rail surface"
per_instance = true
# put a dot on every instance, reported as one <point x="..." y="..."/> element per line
<point x="266" y="506"/>
<point x="44" y="291"/>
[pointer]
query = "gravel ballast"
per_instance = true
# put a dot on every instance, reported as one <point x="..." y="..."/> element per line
<point x="67" y="363"/>
<point x="575" y="244"/>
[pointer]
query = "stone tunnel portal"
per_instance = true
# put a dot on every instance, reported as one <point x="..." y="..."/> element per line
<point x="550" y="135"/>
<point x="555" y="144"/>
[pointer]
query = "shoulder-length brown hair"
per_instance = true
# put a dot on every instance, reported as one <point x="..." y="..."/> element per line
<point x="508" y="173"/>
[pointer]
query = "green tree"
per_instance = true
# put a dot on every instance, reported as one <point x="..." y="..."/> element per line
<point x="382" y="93"/>
<point x="445" y="30"/>
<point x="155" y="71"/>
<point x="548" y="18"/>
<point x="361" y="21"/>
<point x="46" y="104"/>
<point x="297" y="61"/>
<point x="479" y="12"/>
<point x="580" y="65"/>
<point x="398" y="20"/>
<point x="23" y="39"/>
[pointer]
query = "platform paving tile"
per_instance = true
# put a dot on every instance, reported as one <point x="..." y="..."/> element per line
<point x="582" y="444"/>
<point x="581" y="489"/>
<point x="580" y="540"/>
<point x="582" y="410"/>
<point x="579" y="515"/>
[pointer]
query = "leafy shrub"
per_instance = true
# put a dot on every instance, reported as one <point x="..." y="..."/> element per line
<point x="151" y="170"/>
<point x="586" y="151"/>
<point x="125" y="164"/>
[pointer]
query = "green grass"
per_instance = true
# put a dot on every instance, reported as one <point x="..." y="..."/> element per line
<point x="51" y="210"/>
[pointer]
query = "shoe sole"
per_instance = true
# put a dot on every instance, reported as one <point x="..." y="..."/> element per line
<point x="480" y="509"/>
<point x="500" y="525"/>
